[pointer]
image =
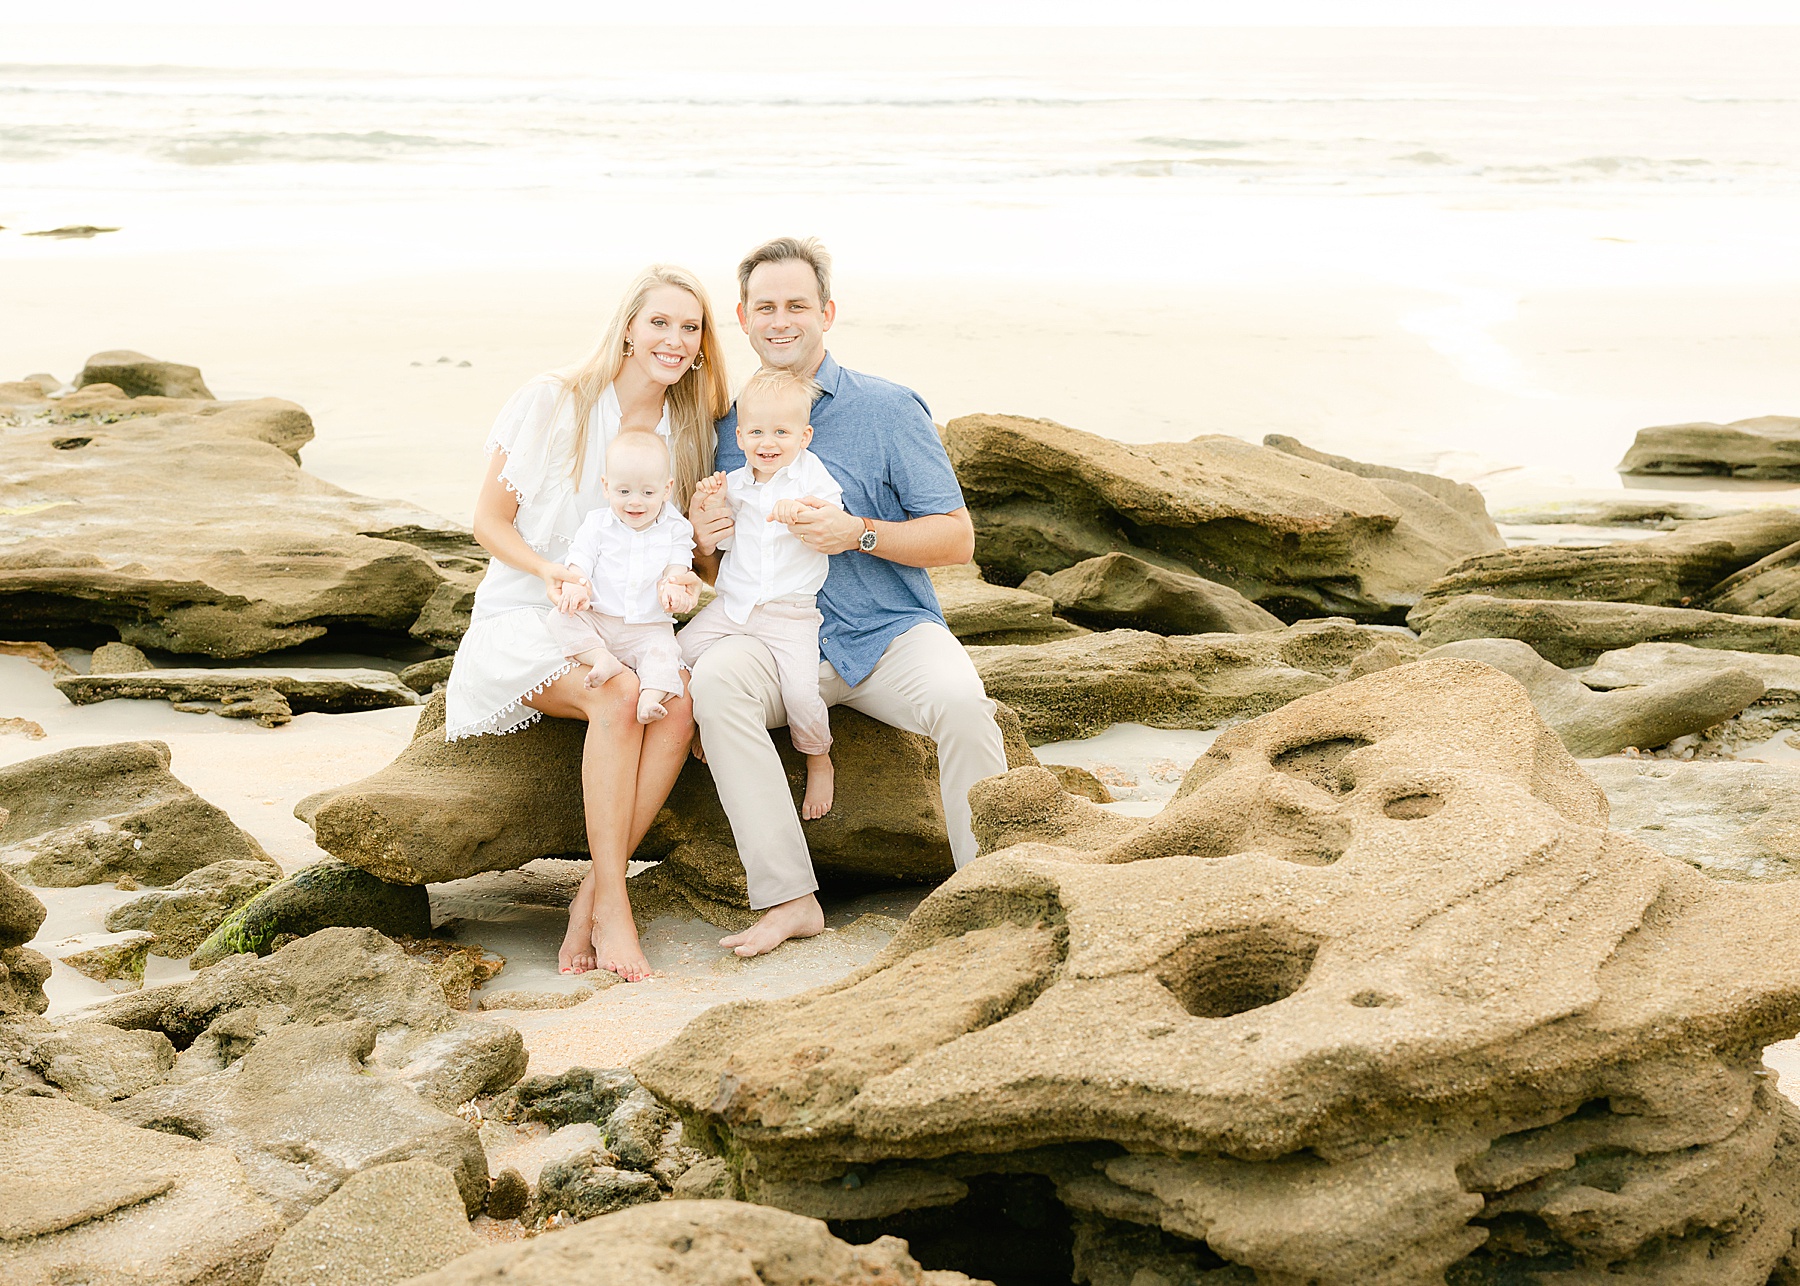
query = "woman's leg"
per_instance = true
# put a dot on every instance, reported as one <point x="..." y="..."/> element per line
<point x="601" y="930"/>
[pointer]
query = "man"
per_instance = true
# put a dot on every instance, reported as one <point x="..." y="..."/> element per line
<point x="886" y="649"/>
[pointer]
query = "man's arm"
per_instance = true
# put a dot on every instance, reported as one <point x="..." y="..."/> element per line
<point x="932" y="540"/>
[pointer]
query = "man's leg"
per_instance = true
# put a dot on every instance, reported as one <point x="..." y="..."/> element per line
<point x="737" y="699"/>
<point x="925" y="683"/>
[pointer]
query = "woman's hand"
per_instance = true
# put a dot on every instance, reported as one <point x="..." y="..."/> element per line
<point x="566" y="588"/>
<point x="680" y="591"/>
<point x="710" y="513"/>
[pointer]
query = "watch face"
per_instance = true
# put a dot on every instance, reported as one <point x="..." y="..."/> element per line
<point x="868" y="541"/>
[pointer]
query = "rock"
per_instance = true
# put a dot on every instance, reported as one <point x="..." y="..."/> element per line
<point x="134" y="1010"/>
<point x="302" y="1114"/>
<point x="42" y="655"/>
<point x="545" y="999"/>
<point x="1601" y="511"/>
<point x="23" y="971"/>
<point x="444" y="811"/>
<point x="1765" y="447"/>
<point x="1117" y="591"/>
<point x="586" y="1185"/>
<point x="1643" y="664"/>
<point x="118" y="658"/>
<point x="1078" y="687"/>
<point x="304" y="690"/>
<point x="137" y="376"/>
<point x="570" y="1097"/>
<point x="692" y="1243"/>
<point x="1731" y="820"/>
<point x="95" y="1202"/>
<point x="20" y="913"/>
<point x="385" y="1225"/>
<point x="980" y="613"/>
<point x="1676" y="570"/>
<point x="333" y="976"/>
<point x="444" y="619"/>
<point x="120" y="960"/>
<point x="1298" y="537"/>
<point x="707" y="1180"/>
<point x="23" y="728"/>
<point x="90" y="814"/>
<point x="325" y="895"/>
<point x="180" y="917"/>
<point x="634" y="1130"/>
<point x="509" y="1195"/>
<point x="264" y="705"/>
<point x="1079" y="781"/>
<point x="1592" y="724"/>
<point x="1376" y="996"/>
<point x="130" y="515"/>
<point x="1770" y="586"/>
<point x="96" y="1064"/>
<point x="426" y="675"/>
<point x="1570" y="633"/>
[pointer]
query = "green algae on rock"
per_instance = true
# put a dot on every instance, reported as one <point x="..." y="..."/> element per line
<point x="328" y="894"/>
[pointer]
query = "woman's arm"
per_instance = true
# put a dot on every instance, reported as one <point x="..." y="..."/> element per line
<point x="495" y="509"/>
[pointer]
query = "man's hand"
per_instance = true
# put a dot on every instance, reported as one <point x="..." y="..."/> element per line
<point x="679" y="591"/>
<point x="710" y="513"/>
<point x="821" y="525"/>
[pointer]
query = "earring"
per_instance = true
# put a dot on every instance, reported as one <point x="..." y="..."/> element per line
<point x="699" y="360"/>
<point x="629" y="348"/>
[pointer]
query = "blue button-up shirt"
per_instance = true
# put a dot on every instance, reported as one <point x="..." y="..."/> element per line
<point x="878" y="441"/>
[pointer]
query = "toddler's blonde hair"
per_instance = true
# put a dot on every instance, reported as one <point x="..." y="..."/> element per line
<point x="777" y="381"/>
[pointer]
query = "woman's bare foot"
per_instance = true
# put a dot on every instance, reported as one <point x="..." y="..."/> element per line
<point x="821" y="780"/>
<point x="801" y="918"/>
<point x="650" y="706"/>
<point x="602" y="665"/>
<point x="616" y="947"/>
<point x="576" y="954"/>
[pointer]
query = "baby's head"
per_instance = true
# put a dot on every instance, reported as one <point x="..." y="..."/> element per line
<point x="638" y="478"/>
<point x="774" y="421"/>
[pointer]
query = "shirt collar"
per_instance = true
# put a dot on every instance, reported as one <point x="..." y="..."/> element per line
<point x="610" y="519"/>
<point x="827" y="375"/>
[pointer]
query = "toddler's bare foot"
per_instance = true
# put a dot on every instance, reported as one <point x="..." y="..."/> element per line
<point x="602" y="666"/>
<point x="577" y="952"/>
<point x="801" y="918"/>
<point x="821" y="779"/>
<point x="616" y="947"/>
<point x="650" y="705"/>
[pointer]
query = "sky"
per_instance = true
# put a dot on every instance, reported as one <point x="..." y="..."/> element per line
<point x="1321" y="13"/>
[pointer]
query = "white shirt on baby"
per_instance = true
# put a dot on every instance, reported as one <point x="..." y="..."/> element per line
<point x="624" y="566"/>
<point x="764" y="560"/>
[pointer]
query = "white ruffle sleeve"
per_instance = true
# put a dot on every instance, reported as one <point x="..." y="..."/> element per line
<point x="536" y="431"/>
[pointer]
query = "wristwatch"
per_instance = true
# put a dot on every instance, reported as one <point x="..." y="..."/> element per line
<point x="867" y="542"/>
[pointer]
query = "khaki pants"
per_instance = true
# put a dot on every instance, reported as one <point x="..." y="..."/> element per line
<point x="924" y="683"/>
<point x="650" y="649"/>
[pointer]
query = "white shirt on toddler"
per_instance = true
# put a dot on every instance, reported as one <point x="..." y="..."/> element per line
<point x="623" y="567"/>
<point x="763" y="560"/>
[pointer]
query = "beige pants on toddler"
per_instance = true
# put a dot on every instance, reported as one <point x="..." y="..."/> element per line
<point x="789" y="628"/>
<point x="648" y="649"/>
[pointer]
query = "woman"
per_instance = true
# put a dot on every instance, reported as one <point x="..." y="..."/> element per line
<point x="659" y="367"/>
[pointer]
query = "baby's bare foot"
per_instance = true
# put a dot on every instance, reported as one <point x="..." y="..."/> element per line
<point x="821" y="780"/>
<point x="602" y="666"/>
<point x="650" y="706"/>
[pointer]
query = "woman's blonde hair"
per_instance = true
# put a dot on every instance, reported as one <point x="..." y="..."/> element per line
<point x="695" y="400"/>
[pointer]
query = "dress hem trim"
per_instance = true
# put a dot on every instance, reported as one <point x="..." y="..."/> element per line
<point x="490" y="726"/>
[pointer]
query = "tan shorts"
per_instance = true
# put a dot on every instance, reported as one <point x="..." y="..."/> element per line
<point x="789" y="628"/>
<point x="648" y="649"/>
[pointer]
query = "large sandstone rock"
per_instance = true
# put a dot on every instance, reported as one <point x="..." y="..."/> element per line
<point x="1079" y="687"/>
<point x="1592" y="724"/>
<point x="1296" y="536"/>
<point x="1118" y="591"/>
<point x="325" y="895"/>
<point x="1377" y="996"/>
<point x="1770" y="586"/>
<point x="190" y="529"/>
<point x="301" y="1113"/>
<point x="136" y="375"/>
<point x="1732" y="820"/>
<point x="980" y="613"/>
<point x="693" y="1243"/>
<point x="1765" y="447"/>
<point x="1676" y="570"/>
<point x="1570" y="633"/>
<point x="92" y="1201"/>
<point x="1643" y="664"/>
<point x="23" y="971"/>
<point x="385" y="1225"/>
<point x="94" y="813"/>
<point x="96" y="1064"/>
<point x="334" y="691"/>
<point x="443" y="811"/>
<point x="181" y="916"/>
<point x="1458" y="496"/>
<point x="1660" y="514"/>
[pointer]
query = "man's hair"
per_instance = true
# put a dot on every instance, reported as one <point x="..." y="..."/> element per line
<point x="807" y="250"/>
<point x="642" y="444"/>
<point x="778" y="381"/>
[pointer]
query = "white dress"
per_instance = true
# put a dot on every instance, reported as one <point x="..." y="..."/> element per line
<point x="508" y="653"/>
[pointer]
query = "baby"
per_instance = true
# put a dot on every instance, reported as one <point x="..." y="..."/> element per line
<point x="635" y="559"/>
<point x="768" y="578"/>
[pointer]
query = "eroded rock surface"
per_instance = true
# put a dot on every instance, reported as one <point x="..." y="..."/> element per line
<point x="1767" y="446"/>
<point x="333" y="691"/>
<point x="94" y="1201"/>
<point x="180" y="916"/>
<point x="325" y="895"/>
<point x="22" y="970"/>
<point x="1592" y="724"/>
<point x="1299" y="537"/>
<point x="1078" y="687"/>
<point x="95" y="813"/>
<point x="980" y="613"/>
<point x="1570" y="633"/>
<point x="1118" y="591"/>
<point x="136" y="375"/>
<point x="1377" y="995"/>
<point x="1732" y="820"/>
<point x="188" y="526"/>
<point x="385" y="1225"/>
